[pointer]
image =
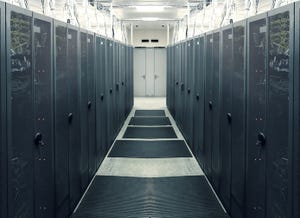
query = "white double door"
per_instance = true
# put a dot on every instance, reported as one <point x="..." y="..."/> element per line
<point x="150" y="69"/>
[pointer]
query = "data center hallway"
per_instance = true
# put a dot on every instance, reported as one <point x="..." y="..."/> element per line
<point x="149" y="172"/>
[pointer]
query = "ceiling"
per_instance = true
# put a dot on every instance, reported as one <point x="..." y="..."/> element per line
<point x="150" y="14"/>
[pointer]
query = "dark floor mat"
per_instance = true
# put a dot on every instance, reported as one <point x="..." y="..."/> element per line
<point x="150" y="132"/>
<point x="147" y="113"/>
<point x="150" y="149"/>
<point x="176" y="197"/>
<point x="150" y="121"/>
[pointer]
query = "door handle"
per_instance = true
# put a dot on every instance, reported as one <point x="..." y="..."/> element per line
<point x="89" y="104"/>
<point x="261" y="139"/>
<point x="189" y="91"/>
<point x="210" y="105"/>
<point x="102" y="97"/>
<point x="38" y="139"/>
<point x="197" y="97"/>
<point x="144" y="76"/>
<point x="177" y="83"/>
<point x="182" y="86"/>
<point x="117" y="86"/>
<point x="70" y="117"/>
<point x="229" y="117"/>
<point x="155" y="76"/>
<point x="110" y="91"/>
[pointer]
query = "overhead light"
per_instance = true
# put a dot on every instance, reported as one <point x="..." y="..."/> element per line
<point x="152" y="8"/>
<point x="150" y="19"/>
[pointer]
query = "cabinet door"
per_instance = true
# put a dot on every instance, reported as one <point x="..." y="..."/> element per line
<point x="20" y="111"/>
<point x="74" y="118"/>
<point x="199" y="100"/>
<point x="208" y="105"/>
<point x="280" y="93"/>
<point x="91" y="102"/>
<point x="226" y="116"/>
<point x="61" y="126"/>
<point x="215" y="143"/>
<point x="238" y="148"/>
<point x="177" y="81"/>
<point x="189" y="93"/>
<point x="109" y="90"/>
<point x="43" y="117"/>
<point x="256" y="117"/>
<point x="3" y="128"/>
<point x="84" y="165"/>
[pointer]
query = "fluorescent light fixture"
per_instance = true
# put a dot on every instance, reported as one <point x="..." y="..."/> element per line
<point x="150" y="19"/>
<point x="152" y="8"/>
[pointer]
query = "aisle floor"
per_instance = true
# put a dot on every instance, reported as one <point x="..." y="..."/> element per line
<point x="141" y="184"/>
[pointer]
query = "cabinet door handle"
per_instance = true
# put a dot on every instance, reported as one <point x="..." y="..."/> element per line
<point x="102" y="97"/>
<point x="70" y="117"/>
<point x="38" y="139"/>
<point x="261" y="139"/>
<point x="229" y="117"/>
<point x="210" y="105"/>
<point x="89" y="104"/>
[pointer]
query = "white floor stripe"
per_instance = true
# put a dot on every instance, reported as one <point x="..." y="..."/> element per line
<point x="150" y="167"/>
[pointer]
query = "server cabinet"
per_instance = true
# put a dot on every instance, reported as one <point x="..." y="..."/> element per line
<point x="198" y="138"/>
<point x="208" y="105"/>
<point x="109" y="90"/>
<point x="178" y="81"/>
<point x="116" y="87"/>
<point x="269" y="114"/>
<point x="43" y="116"/>
<point x="183" y="57"/>
<point x="189" y="75"/>
<point x="238" y="123"/>
<point x="256" y="115"/>
<point x="296" y="156"/>
<point x="62" y="117"/>
<point x="121" y="84"/>
<point x="168" y="77"/>
<point x="3" y="144"/>
<point x="226" y="115"/>
<point x="29" y="132"/>
<point x="85" y="167"/>
<point x="20" y="128"/>
<point x="279" y="111"/>
<point x="100" y="96"/>
<point x="74" y="116"/>
<point x="215" y="110"/>
<point x="91" y="103"/>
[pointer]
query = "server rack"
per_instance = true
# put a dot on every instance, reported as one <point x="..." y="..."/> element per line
<point x="296" y="126"/>
<point x="226" y="69"/>
<point x="198" y="139"/>
<point x="74" y="114"/>
<point x="43" y="115"/>
<point x="238" y="123"/>
<point x="178" y="81"/>
<point x="91" y="101"/>
<point x="279" y="127"/>
<point x="85" y="161"/>
<point x="206" y="164"/>
<point x="20" y="128"/>
<point x="100" y="95"/>
<point x="189" y="75"/>
<point x="3" y="144"/>
<point x="61" y="120"/>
